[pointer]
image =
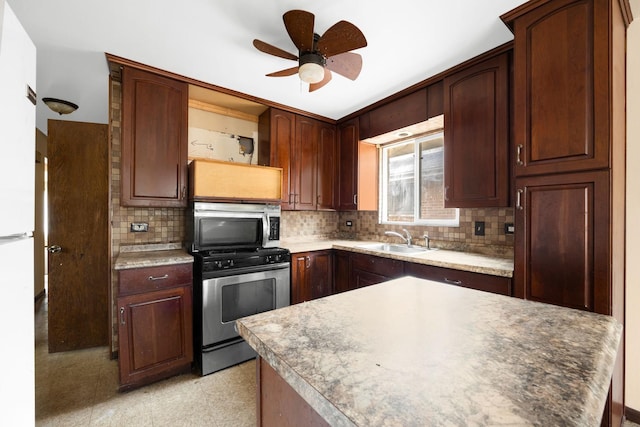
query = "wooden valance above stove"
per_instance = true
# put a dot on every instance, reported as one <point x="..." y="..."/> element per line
<point x="214" y="180"/>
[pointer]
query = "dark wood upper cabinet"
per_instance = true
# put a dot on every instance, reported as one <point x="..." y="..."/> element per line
<point x="277" y="134"/>
<point x="358" y="172"/>
<point x="561" y="98"/>
<point x="348" y="149"/>
<point x="305" y="149"/>
<point x="476" y="135"/>
<point x="327" y="177"/>
<point x="154" y="140"/>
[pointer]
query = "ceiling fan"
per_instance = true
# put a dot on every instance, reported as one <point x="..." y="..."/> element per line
<point x="318" y="55"/>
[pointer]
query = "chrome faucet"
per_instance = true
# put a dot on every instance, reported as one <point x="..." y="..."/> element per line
<point x="405" y="239"/>
<point x="427" y="241"/>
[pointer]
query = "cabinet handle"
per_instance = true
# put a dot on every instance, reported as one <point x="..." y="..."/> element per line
<point x="453" y="282"/>
<point x="519" y="148"/>
<point x="166" y="276"/>
<point x="519" y="199"/>
<point x="308" y="263"/>
<point x="122" y="315"/>
<point x="446" y="193"/>
<point x="184" y="192"/>
<point x="355" y="199"/>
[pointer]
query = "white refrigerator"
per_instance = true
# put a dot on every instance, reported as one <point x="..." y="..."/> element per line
<point x="17" y="179"/>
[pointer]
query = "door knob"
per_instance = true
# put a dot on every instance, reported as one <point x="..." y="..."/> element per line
<point x="54" y="249"/>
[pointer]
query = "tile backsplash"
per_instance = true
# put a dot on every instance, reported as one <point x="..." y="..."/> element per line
<point x="365" y="226"/>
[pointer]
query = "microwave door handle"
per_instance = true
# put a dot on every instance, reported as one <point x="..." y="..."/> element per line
<point x="266" y="229"/>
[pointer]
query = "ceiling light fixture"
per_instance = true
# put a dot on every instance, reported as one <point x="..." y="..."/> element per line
<point x="311" y="68"/>
<point x="60" y="106"/>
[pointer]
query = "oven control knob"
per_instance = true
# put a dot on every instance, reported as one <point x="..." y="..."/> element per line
<point x="230" y="263"/>
<point x="218" y="264"/>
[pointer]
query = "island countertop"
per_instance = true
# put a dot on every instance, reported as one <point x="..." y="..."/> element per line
<point x="416" y="352"/>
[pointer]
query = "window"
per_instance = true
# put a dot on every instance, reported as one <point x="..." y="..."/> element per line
<point x="412" y="183"/>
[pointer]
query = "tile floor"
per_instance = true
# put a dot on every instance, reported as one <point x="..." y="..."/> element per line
<point x="79" y="388"/>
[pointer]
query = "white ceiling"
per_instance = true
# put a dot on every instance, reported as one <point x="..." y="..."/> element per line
<point x="211" y="41"/>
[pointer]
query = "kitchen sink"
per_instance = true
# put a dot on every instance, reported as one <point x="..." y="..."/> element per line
<point x="395" y="248"/>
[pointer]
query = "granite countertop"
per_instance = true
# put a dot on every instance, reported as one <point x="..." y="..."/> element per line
<point x="151" y="255"/>
<point x="466" y="261"/>
<point x="416" y="352"/>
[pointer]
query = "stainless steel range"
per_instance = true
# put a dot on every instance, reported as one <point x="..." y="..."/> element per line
<point x="234" y="278"/>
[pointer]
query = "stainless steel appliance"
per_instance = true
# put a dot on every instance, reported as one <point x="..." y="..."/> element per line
<point x="237" y="273"/>
<point x="220" y="226"/>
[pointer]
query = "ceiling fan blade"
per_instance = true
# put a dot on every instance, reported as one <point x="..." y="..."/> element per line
<point x="324" y="81"/>
<point x="346" y="64"/>
<point x="272" y="50"/>
<point x="299" y="25"/>
<point x="284" y="73"/>
<point x="341" y="37"/>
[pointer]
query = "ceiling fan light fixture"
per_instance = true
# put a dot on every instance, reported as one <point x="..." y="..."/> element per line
<point x="311" y="68"/>
<point x="60" y="106"/>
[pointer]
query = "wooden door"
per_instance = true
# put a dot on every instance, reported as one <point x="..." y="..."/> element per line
<point x="476" y="132"/>
<point x="78" y="188"/>
<point x="306" y="163"/>
<point x="154" y="140"/>
<point x="327" y="167"/>
<point x="561" y="240"/>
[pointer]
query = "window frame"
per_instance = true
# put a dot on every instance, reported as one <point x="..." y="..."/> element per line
<point x="382" y="191"/>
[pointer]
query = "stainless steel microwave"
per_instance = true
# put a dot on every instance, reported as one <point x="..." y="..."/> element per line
<point x="231" y="226"/>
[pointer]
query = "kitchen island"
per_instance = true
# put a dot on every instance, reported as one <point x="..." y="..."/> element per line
<point x="416" y="352"/>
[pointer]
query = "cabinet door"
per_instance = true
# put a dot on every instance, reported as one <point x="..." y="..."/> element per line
<point x="348" y="178"/>
<point x="341" y="277"/>
<point x="327" y="181"/>
<point x="476" y="169"/>
<point x="154" y="140"/>
<point x="561" y="95"/>
<point x="561" y="240"/>
<point x="155" y="335"/>
<point x="304" y="167"/>
<point x="282" y="137"/>
<point x="312" y="276"/>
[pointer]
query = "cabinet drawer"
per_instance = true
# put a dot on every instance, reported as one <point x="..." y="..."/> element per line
<point x="148" y="279"/>
<point x="383" y="266"/>
<point x="482" y="282"/>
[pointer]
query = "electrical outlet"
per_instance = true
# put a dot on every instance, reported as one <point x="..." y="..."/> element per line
<point x="137" y="227"/>
<point x="509" y="228"/>
<point x="349" y="223"/>
<point x="478" y="228"/>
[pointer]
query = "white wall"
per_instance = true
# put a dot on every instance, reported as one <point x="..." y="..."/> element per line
<point x="632" y="334"/>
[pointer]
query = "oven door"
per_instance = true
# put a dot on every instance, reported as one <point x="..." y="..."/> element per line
<point x="241" y="293"/>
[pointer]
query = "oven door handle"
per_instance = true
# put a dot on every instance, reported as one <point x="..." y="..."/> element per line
<point x="242" y="270"/>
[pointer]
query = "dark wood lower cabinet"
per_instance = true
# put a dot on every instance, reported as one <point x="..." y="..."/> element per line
<point x="311" y="275"/>
<point x="467" y="279"/>
<point x="562" y="240"/>
<point x="365" y="270"/>
<point x="154" y="326"/>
